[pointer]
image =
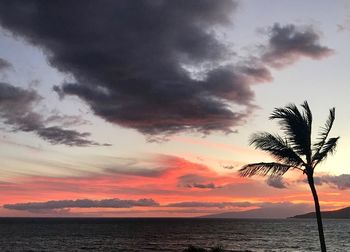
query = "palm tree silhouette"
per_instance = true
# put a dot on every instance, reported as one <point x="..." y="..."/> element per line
<point x="295" y="150"/>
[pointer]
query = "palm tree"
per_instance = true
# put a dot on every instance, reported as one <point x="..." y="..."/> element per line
<point x="295" y="150"/>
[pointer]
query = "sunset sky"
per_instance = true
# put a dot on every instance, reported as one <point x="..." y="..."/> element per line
<point x="145" y="108"/>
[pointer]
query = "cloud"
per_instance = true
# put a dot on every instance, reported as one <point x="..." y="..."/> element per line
<point x="65" y="120"/>
<point x="6" y="140"/>
<point x="138" y="167"/>
<point x="155" y="177"/>
<point x="190" y="179"/>
<point x="289" y="43"/>
<point x="4" y="64"/>
<point x="345" y="25"/>
<point x="56" y="135"/>
<point x="135" y="171"/>
<point x="82" y="203"/>
<point x="196" y="181"/>
<point x="127" y="208"/>
<point x="210" y="204"/>
<point x="341" y="182"/>
<point x="17" y="111"/>
<point x="277" y="182"/>
<point x="132" y="60"/>
<point x="203" y="186"/>
<point x="154" y="66"/>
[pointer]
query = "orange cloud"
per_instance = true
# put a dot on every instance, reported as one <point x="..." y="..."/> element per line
<point x="175" y="180"/>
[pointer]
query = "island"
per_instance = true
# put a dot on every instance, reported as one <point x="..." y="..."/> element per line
<point x="343" y="213"/>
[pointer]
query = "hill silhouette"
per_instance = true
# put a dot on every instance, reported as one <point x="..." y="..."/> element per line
<point x="281" y="211"/>
<point x="343" y="213"/>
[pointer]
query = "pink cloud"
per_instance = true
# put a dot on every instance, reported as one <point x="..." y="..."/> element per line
<point x="165" y="187"/>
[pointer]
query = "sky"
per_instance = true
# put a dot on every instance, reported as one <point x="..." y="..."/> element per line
<point x="145" y="108"/>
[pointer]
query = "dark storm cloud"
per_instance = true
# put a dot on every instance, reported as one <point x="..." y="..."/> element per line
<point x="128" y="60"/>
<point x="276" y="182"/>
<point x="82" y="203"/>
<point x="17" y="111"/>
<point x="134" y="61"/>
<point x="289" y="43"/>
<point x="4" y="64"/>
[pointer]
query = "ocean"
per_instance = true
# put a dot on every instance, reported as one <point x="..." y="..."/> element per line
<point x="166" y="234"/>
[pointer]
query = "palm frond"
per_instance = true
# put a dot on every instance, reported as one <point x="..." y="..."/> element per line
<point x="307" y="115"/>
<point x="328" y="148"/>
<point x="325" y="131"/>
<point x="277" y="147"/>
<point x="272" y="169"/>
<point x="296" y="125"/>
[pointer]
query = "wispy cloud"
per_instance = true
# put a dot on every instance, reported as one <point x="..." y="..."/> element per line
<point x="8" y="141"/>
<point x="65" y="120"/>
<point x="345" y="25"/>
<point x="17" y="111"/>
<point x="160" y="177"/>
<point x="165" y="185"/>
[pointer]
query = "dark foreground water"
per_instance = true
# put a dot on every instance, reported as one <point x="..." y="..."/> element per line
<point x="169" y="234"/>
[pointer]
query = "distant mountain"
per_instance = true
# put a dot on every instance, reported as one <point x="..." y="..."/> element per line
<point x="264" y="212"/>
<point x="343" y="213"/>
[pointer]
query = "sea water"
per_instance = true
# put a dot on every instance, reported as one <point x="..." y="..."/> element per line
<point x="163" y="234"/>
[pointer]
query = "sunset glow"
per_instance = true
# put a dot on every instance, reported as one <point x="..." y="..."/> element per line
<point x="110" y="115"/>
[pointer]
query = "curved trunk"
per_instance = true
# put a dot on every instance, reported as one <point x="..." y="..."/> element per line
<point x="318" y="213"/>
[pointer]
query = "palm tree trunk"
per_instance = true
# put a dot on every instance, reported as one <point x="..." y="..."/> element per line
<point x="318" y="213"/>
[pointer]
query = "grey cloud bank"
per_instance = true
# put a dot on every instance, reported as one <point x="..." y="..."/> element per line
<point x="82" y="203"/>
<point x="261" y="209"/>
<point x="128" y="57"/>
<point x="341" y="182"/>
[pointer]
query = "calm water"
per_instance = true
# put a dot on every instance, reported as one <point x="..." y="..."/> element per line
<point x="169" y="234"/>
